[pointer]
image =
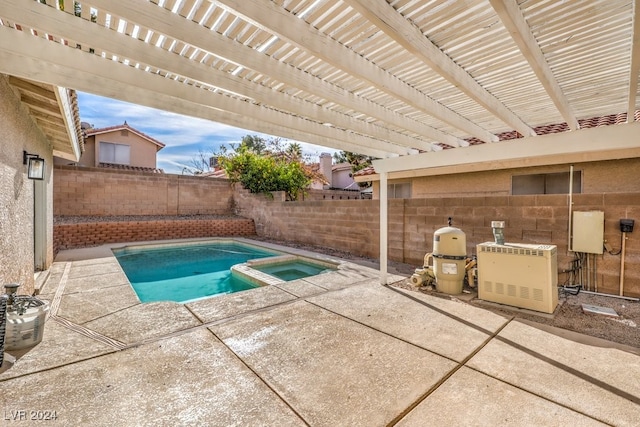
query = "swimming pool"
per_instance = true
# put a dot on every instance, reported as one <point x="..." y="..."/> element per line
<point x="188" y="271"/>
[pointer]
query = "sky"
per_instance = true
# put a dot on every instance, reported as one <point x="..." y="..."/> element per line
<point x="184" y="137"/>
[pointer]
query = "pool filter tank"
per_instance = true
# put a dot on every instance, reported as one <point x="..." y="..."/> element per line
<point x="449" y="259"/>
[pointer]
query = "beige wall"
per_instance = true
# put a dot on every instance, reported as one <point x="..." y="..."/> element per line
<point x="618" y="176"/>
<point x="353" y="225"/>
<point x="104" y="192"/>
<point x="142" y="154"/>
<point x="19" y="133"/>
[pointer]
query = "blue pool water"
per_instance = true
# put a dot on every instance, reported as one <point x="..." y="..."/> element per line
<point x="187" y="272"/>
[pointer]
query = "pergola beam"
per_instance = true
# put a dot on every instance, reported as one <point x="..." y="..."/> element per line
<point x="176" y="27"/>
<point x="62" y="95"/>
<point x="27" y="56"/>
<point x="557" y="148"/>
<point x="272" y="18"/>
<point x="514" y="21"/>
<point x="85" y="32"/>
<point x="385" y="17"/>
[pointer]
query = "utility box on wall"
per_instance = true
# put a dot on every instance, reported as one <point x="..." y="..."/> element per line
<point x="588" y="232"/>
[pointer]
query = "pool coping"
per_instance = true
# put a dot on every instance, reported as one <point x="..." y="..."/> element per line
<point x="244" y="270"/>
<point x="260" y="278"/>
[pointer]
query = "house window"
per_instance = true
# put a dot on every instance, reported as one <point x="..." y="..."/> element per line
<point x="114" y="153"/>
<point x="545" y="183"/>
<point x="399" y="191"/>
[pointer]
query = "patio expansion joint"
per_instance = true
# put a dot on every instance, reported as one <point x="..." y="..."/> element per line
<point x="266" y="383"/>
<point x="80" y="291"/>
<point x="581" y="375"/>
<point x="222" y="320"/>
<point x="118" y="345"/>
<point x="359" y="282"/>
<point x="57" y="297"/>
<point x="75" y="362"/>
<point x="205" y="325"/>
<point x="108" y="314"/>
<point x="495" y="336"/>
<point x="55" y="306"/>
<point x="448" y="375"/>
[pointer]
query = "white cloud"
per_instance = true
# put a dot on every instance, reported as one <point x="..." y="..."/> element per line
<point x="184" y="137"/>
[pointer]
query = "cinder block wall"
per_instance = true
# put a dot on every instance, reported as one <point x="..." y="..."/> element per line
<point x="331" y="195"/>
<point x="353" y="226"/>
<point x="350" y="225"/>
<point x="80" y="191"/>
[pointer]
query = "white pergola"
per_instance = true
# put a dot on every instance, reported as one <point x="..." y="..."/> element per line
<point x="415" y="83"/>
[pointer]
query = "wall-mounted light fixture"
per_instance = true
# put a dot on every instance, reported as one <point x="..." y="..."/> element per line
<point x="35" y="168"/>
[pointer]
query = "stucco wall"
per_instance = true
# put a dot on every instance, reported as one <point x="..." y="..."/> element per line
<point x="19" y="133"/>
<point x="102" y="192"/>
<point x="342" y="179"/>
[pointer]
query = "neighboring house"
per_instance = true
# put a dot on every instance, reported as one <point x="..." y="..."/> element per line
<point x="120" y="147"/>
<point x="604" y="172"/>
<point x="338" y="176"/>
<point x="342" y="178"/>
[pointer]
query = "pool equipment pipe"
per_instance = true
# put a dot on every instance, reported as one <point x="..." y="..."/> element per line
<point x="498" y="231"/>
<point x="570" y="230"/>
<point x="424" y="276"/>
<point x="626" y="226"/>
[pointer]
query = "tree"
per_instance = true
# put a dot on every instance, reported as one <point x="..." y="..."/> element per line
<point x="200" y="163"/>
<point x="253" y="143"/>
<point x="294" y="151"/>
<point x="265" y="166"/>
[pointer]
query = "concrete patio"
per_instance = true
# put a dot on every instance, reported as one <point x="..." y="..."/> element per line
<point x="337" y="349"/>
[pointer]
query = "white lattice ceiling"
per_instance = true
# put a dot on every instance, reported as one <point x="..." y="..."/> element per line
<point x="378" y="77"/>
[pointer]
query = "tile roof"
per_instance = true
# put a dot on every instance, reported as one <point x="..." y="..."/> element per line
<point x="125" y="126"/>
<point x="130" y="168"/>
<point x="217" y="173"/>
<point x="593" y="122"/>
<point x="341" y="166"/>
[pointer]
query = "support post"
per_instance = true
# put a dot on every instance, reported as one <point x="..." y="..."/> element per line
<point x="383" y="227"/>
<point x="622" y="254"/>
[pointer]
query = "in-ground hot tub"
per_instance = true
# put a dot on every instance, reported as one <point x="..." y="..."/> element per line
<point x="283" y="268"/>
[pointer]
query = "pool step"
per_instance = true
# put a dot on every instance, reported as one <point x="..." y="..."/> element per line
<point x="245" y="271"/>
